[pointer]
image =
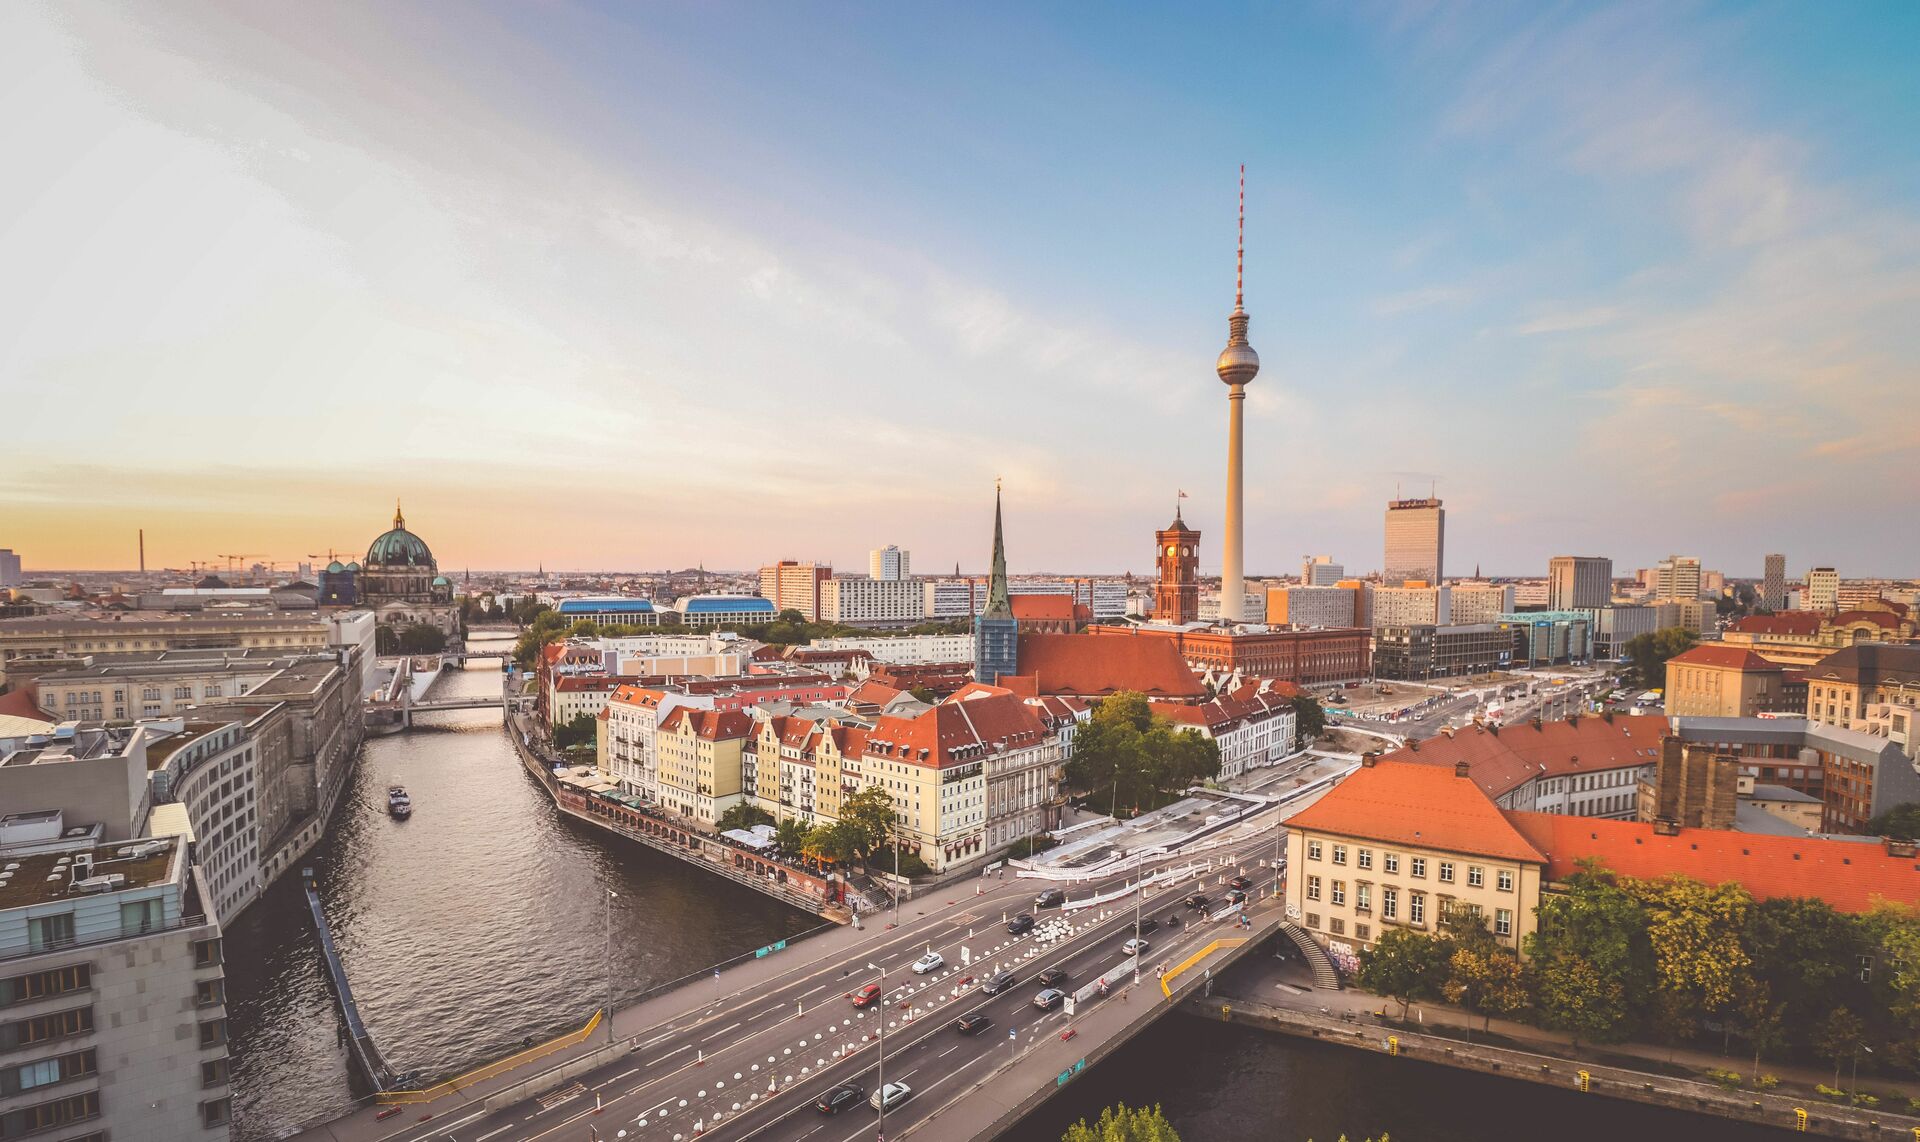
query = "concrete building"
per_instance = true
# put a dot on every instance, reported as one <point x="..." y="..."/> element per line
<point x="1867" y="687"/>
<point x="1856" y="775"/>
<point x="1578" y="582"/>
<point x="1615" y="626"/>
<point x="1476" y="602"/>
<point x="1805" y="638"/>
<point x="1320" y="571"/>
<point x="1415" y="603"/>
<point x="965" y="597"/>
<point x="1310" y="607"/>
<point x="911" y="649"/>
<point x="1677" y="577"/>
<point x="1822" y="591"/>
<point x="1773" y="583"/>
<point x="889" y="562"/>
<point x="1252" y="605"/>
<point x="1717" y="681"/>
<point x="794" y="586"/>
<point x="113" y="1011"/>
<point x="857" y="601"/>
<point x="67" y="640"/>
<point x="714" y="610"/>
<point x="1580" y="766"/>
<point x="158" y="684"/>
<point x="1422" y="651"/>
<point x="9" y="568"/>
<point x="1416" y="542"/>
<point x="1550" y="638"/>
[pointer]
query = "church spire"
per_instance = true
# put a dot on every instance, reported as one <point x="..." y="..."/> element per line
<point x="998" y="604"/>
<point x="399" y="521"/>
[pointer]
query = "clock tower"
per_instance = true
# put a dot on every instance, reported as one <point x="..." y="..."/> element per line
<point x="1176" y="597"/>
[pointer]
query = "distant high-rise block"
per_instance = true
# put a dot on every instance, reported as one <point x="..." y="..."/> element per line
<point x="889" y="562"/>
<point x="1773" y="585"/>
<point x="1677" y="577"/>
<point x="1579" y="581"/>
<point x="795" y="586"/>
<point x="1416" y="541"/>
<point x="1320" y="571"/>
<point x="1823" y="590"/>
<point x="9" y="568"/>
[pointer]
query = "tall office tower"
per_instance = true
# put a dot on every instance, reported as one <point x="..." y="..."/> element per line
<point x="889" y="562"/>
<point x="1416" y="541"/>
<point x="1773" y="585"/>
<point x="1176" y="554"/>
<point x="996" y="633"/>
<point x="1823" y="590"/>
<point x="1677" y="577"/>
<point x="1575" y="581"/>
<point x="9" y="568"/>
<point x="1237" y="365"/>
<point x="1320" y="571"/>
<point x="795" y="586"/>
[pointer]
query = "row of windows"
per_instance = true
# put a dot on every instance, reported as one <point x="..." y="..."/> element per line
<point x="40" y="1073"/>
<point x="45" y="1028"/>
<point x="48" y="1115"/>
<point x="1417" y="866"/>
<point x="45" y="984"/>
<point x="1416" y="916"/>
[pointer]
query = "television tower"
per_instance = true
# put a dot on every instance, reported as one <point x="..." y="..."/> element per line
<point x="1238" y="364"/>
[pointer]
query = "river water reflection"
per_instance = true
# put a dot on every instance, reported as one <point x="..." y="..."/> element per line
<point x="481" y="920"/>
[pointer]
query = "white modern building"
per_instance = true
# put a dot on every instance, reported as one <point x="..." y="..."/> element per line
<point x="1320" y="571"/>
<point x="906" y="650"/>
<point x="1412" y="606"/>
<point x="858" y="601"/>
<point x="1822" y="592"/>
<point x="889" y="562"/>
<point x="1475" y="602"/>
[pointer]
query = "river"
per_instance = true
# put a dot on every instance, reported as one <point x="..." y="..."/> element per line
<point x="480" y="921"/>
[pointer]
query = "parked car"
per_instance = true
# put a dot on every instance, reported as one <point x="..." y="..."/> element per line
<point x="1240" y="882"/>
<point x="1135" y="947"/>
<point x="1052" y="977"/>
<point x="997" y="983"/>
<point x="865" y="995"/>
<point x="893" y="1094"/>
<point x="932" y="961"/>
<point x="1019" y="924"/>
<point x="972" y="1023"/>
<point x="1049" y="999"/>
<point x="840" y="1098"/>
<point x="1051" y="898"/>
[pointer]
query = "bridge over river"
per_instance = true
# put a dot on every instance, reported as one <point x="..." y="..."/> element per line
<point x="747" y="1052"/>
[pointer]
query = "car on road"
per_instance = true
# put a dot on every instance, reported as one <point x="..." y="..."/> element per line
<point x="1049" y="999"/>
<point x="1135" y="947"/>
<point x="865" y="995"/>
<point x="1051" y="898"/>
<point x="932" y="961"/>
<point x="893" y="1094"/>
<point x="972" y="1023"/>
<point x="1236" y="896"/>
<point x="840" y="1098"/>
<point x="1145" y="926"/>
<point x="1019" y="924"/>
<point x="997" y="983"/>
<point x="1052" y="977"/>
<point x="1197" y="900"/>
<point x="1240" y="882"/>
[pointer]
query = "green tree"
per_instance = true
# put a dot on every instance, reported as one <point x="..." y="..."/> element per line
<point x="1803" y="954"/>
<point x="1892" y="932"/>
<point x="744" y="815"/>
<point x="869" y="814"/>
<point x="1404" y="966"/>
<point x="1124" y="1124"/>
<point x="1763" y="1020"/>
<point x="1588" y="959"/>
<point x="581" y="730"/>
<point x="1837" y="1037"/>
<point x="1694" y="932"/>
<point x="1310" y="718"/>
<point x="1128" y="752"/>
<point x="1902" y="822"/>
<point x="790" y="835"/>
<point x="837" y="843"/>
<point x="1482" y="977"/>
<point x="422" y="638"/>
<point x="1648" y="653"/>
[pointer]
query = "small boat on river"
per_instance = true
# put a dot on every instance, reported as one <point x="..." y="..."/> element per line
<point x="398" y="803"/>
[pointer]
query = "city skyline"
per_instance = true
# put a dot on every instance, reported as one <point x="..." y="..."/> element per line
<point x="598" y="252"/>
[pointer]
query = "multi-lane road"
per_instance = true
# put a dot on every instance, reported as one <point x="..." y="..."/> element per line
<point x="753" y="1065"/>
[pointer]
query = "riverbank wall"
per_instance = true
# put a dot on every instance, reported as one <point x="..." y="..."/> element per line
<point x="790" y="886"/>
<point x="1758" y="1107"/>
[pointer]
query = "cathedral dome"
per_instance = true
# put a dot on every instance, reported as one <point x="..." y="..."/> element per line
<point x="335" y="567"/>
<point x="399" y="547"/>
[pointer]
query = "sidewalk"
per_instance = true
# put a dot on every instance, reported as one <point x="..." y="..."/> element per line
<point x="1260" y="979"/>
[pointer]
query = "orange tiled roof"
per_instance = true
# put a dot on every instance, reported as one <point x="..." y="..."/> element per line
<point x="710" y="725"/>
<point x="1035" y="607"/>
<point x="956" y="732"/>
<point x="1095" y="666"/>
<point x="1850" y="875"/>
<point x="1422" y="805"/>
<point x="1727" y="657"/>
<point x="1500" y="762"/>
<point x="1803" y="624"/>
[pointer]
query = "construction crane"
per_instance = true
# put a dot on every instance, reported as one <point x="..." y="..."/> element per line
<point x="233" y="560"/>
<point x="332" y="555"/>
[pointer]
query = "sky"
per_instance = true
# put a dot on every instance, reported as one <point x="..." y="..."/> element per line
<point x="644" y="286"/>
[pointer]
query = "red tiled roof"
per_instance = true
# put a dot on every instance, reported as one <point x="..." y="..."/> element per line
<point x="1850" y="875"/>
<point x="1096" y="666"/>
<point x="1032" y="607"/>
<point x="873" y="693"/>
<point x="1500" y="762"/>
<point x="1420" y="805"/>
<point x="711" y="725"/>
<point x="20" y="704"/>
<point x="1727" y="657"/>
<point x="1804" y="624"/>
<point x="969" y="728"/>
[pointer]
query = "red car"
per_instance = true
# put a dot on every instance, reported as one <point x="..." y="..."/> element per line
<point x="865" y="995"/>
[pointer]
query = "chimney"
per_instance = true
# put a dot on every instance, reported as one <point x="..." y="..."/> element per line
<point x="1459" y="769"/>
<point x="1666" y="827"/>
<point x="1367" y="759"/>
<point x="1899" y="848"/>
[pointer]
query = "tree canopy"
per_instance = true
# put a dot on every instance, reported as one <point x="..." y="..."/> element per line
<point x="1902" y="822"/>
<point x="1132" y="754"/>
<point x="1124" y="1124"/>
<point x="1647" y="654"/>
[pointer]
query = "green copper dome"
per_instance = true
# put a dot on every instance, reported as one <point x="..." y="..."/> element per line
<point x="399" y="547"/>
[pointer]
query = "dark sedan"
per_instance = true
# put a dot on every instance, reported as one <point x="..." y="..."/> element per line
<point x="1019" y="924"/>
<point x="972" y="1023"/>
<point x="840" y="1098"/>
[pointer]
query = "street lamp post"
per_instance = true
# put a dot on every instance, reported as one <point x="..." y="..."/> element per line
<point x="1853" y="1083"/>
<point x="608" y="963"/>
<point x="880" y="1065"/>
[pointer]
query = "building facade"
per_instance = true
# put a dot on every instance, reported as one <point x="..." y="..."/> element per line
<point x="1423" y="651"/>
<point x="1480" y="602"/>
<point x="1416" y="542"/>
<point x="1773" y="583"/>
<point x="1677" y="577"/>
<point x="1176" y="558"/>
<point x="1327" y="606"/>
<point x="795" y="586"/>
<point x="1710" y="681"/>
<point x="889" y="562"/>
<point x="1320" y="571"/>
<point x="876" y="601"/>
<point x="1412" y="604"/>
<point x="400" y="582"/>
<point x="1577" y="582"/>
<point x="1305" y="657"/>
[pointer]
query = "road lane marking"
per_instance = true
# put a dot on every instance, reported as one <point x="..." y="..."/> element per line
<point x="718" y="1033"/>
<point x="491" y="1133"/>
<point x="671" y="1054"/>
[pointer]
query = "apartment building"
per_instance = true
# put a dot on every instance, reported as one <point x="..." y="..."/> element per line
<point x="1479" y="602"/>
<point x="911" y="649"/>
<point x="1252" y="726"/>
<point x="1773" y="583"/>
<point x="1576" y="582"/>
<point x="699" y="761"/>
<point x="1315" y="606"/>
<point x="1717" y="681"/>
<point x="25" y="640"/>
<point x="1320" y="571"/>
<point x="154" y="684"/>
<point x="857" y="601"/>
<point x="1822" y="591"/>
<point x="1677" y="577"/>
<point x="1414" y="603"/>
<point x="1423" y="651"/>
<point x="889" y="562"/>
<point x="791" y="585"/>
